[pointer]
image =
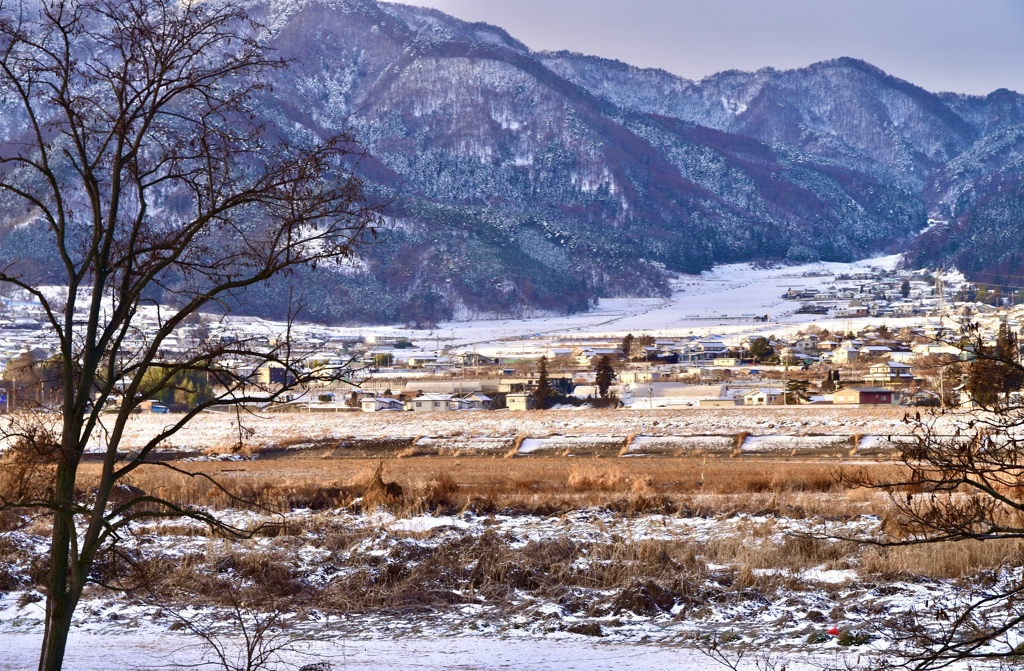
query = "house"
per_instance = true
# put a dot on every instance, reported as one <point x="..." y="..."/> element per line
<point x="943" y="349"/>
<point x="153" y="407"/>
<point x="457" y="403"/>
<point x="704" y="350"/>
<point x="889" y="372"/>
<point x="828" y="345"/>
<point x="923" y="397"/>
<point x="474" y="401"/>
<point x="760" y="396"/>
<point x="966" y="399"/>
<point x="588" y="357"/>
<point x="794" y="354"/>
<point x="429" y="403"/>
<point x="519" y="402"/>
<point x="556" y="352"/>
<point x="863" y="396"/>
<point x="473" y="360"/>
<point x="807" y="343"/>
<point x="711" y="349"/>
<point x="873" y="351"/>
<point x="902" y="356"/>
<point x="845" y="355"/>
<point x="380" y="404"/>
<point x="273" y="373"/>
<point x="634" y="377"/>
<point x="852" y="311"/>
<point x="421" y="360"/>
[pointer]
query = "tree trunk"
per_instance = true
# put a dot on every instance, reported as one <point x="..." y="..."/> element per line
<point x="55" y="640"/>
<point x="63" y="589"/>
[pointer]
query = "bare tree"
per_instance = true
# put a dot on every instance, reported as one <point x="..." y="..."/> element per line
<point x="140" y="149"/>
<point x="718" y="650"/>
<point x="251" y="632"/>
<point x="961" y="481"/>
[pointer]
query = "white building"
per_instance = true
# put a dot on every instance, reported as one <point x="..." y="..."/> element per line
<point x="380" y="404"/>
<point x="429" y="403"/>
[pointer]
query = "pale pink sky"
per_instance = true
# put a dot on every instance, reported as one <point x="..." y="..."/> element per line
<point x="969" y="46"/>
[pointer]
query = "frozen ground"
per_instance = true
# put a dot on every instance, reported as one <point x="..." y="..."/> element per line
<point x="492" y="430"/>
<point x="130" y="651"/>
<point x="722" y="300"/>
<point x="785" y="609"/>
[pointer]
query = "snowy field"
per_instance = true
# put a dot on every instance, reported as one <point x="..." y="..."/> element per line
<point x="723" y="300"/>
<point x="474" y="431"/>
<point x="785" y="609"/>
<point x="131" y="651"/>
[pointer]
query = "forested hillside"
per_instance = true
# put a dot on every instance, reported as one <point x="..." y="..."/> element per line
<point x="521" y="181"/>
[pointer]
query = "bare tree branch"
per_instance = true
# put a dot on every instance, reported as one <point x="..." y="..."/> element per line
<point x="145" y="158"/>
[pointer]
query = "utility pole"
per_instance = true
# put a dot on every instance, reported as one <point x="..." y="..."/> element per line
<point x="785" y="382"/>
<point x="942" y="391"/>
<point x="650" y="385"/>
<point x="785" y="378"/>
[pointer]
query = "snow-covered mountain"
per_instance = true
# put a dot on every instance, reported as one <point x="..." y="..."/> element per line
<point x="526" y="180"/>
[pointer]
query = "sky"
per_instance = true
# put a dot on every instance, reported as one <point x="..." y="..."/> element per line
<point x="967" y="46"/>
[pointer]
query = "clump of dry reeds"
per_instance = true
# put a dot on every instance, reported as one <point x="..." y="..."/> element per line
<point x="381" y="494"/>
<point x="516" y="444"/>
<point x="603" y="474"/>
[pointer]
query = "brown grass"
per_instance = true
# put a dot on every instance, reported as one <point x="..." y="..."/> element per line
<point x="943" y="560"/>
<point x="602" y="577"/>
<point x="486" y="483"/>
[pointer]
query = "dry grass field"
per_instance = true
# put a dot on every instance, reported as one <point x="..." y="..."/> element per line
<point x="404" y="539"/>
<point x="449" y="484"/>
<point x="655" y="538"/>
<point x="707" y="488"/>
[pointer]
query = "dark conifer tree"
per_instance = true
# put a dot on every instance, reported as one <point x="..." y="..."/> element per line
<point x="543" y="393"/>
<point x="627" y="346"/>
<point x="605" y="375"/>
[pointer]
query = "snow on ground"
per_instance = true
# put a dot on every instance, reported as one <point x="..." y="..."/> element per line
<point x="723" y="299"/>
<point x="484" y="431"/>
<point x="536" y="629"/>
<point x="129" y="651"/>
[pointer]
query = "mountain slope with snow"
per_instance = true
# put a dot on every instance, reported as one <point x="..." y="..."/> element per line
<point x="524" y="181"/>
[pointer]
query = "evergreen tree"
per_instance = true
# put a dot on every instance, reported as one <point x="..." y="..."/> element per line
<point x="760" y="349"/>
<point x="983" y="295"/>
<point x="905" y="288"/>
<point x="605" y="374"/>
<point x="967" y="294"/>
<point x="627" y="346"/>
<point x="796" y="392"/>
<point x="543" y="394"/>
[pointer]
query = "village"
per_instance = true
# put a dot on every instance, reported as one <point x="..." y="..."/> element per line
<point x="852" y="337"/>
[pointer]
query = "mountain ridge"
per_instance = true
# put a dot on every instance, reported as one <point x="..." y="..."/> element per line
<point x="525" y="181"/>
